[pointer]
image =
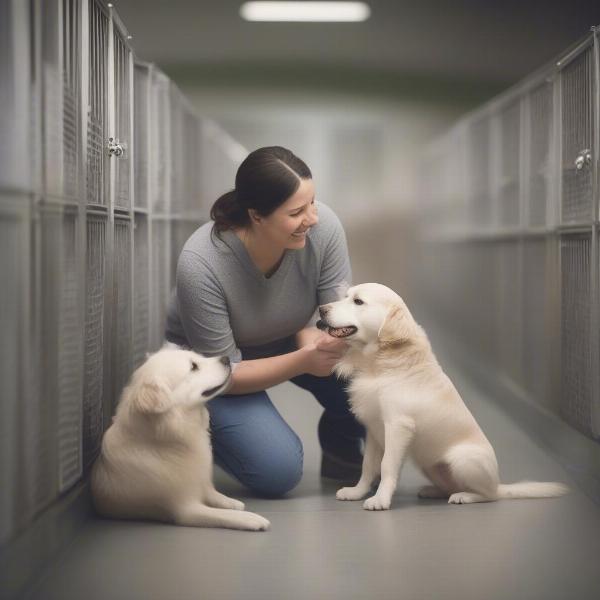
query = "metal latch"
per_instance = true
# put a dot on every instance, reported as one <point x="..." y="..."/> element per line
<point x="584" y="159"/>
<point x="116" y="148"/>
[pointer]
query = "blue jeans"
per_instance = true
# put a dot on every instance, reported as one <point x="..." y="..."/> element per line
<point x="252" y="442"/>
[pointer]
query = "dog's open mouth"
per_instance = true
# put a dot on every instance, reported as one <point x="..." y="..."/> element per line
<point x="337" y="332"/>
<point x="218" y="388"/>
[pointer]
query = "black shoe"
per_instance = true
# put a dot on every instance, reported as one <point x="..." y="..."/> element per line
<point x="334" y="467"/>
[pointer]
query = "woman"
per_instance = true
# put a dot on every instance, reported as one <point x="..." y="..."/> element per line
<point x="248" y="286"/>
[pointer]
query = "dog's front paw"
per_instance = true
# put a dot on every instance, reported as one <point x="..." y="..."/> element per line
<point x="254" y="522"/>
<point x="377" y="502"/>
<point x="350" y="493"/>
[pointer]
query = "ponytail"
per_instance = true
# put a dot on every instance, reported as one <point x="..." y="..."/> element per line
<point x="227" y="212"/>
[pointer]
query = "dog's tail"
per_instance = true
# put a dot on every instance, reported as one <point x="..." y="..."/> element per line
<point x="532" y="489"/>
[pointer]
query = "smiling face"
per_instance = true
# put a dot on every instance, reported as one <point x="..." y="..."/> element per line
<point x="287" y="226"/>
<point x="360" y="316"/>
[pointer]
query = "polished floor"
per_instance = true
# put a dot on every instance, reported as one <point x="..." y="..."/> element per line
<point x="318" y="547"/>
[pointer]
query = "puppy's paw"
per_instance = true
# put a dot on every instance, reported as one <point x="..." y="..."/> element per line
<point x="254" y="522"/>
<point x="235" y="504"/>
<point x="350" y="493"/>
<point x="377" y="502"/>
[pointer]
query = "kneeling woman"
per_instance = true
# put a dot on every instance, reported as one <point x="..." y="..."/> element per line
<point x="248" y="285"/>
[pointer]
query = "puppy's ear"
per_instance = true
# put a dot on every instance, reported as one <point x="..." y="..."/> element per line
<point x="151" y="397"/>
<point x="397" y="326"/>
<point x="170" y="346"/>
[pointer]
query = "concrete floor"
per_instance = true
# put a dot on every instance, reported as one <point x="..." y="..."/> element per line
<point x="321" y="548"/>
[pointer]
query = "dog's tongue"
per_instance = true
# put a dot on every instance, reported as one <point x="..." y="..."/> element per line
<point x="339" y="332"/>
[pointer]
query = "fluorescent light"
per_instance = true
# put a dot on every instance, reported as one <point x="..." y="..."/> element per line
<point x="305" y="11"/>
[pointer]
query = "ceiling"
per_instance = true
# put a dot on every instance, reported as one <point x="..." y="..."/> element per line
<point x="495" y="42"/>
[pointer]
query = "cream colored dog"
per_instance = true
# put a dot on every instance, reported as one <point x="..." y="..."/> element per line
<point x="410" y="407"/>
<point x="156" y="458"/>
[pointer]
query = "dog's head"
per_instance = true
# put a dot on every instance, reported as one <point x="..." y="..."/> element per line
<point x="370" y="312"/>
<point x="174" y="377"/>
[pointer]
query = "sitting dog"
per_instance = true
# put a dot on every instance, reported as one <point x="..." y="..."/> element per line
<point x="409" y="406"/>
<point x="156" y="458"/>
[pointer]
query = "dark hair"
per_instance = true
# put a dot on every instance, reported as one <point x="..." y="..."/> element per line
<point x="264" y="181"/>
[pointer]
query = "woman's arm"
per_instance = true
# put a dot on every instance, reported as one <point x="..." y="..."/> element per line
<point x="318" y="357"/>
<point x="259" y="374"/>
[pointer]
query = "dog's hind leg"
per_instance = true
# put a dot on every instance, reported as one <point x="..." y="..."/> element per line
<point x="474" y="471"/>
<point x="199" y="515"/>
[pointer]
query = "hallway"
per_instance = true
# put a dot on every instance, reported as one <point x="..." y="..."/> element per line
<point x="321" y="548"/>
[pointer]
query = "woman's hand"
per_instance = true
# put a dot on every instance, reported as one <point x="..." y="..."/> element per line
<point x="323" y="354"/>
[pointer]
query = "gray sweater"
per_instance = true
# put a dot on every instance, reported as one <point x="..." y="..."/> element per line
<point x="223" y="304"/>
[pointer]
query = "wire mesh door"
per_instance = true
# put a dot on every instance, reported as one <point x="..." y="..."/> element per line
<point x="541" y="155"/>
<point x="122" y="308"/>
<point x="97" y="122"/>
<point x="122" y="104"/>
<point x="577" y="87"/>
<point x="510" y="161"/>
<point x="576" y="331"/>
<point x="71" y="96"/>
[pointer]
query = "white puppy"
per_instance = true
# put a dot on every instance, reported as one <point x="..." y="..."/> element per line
<point x="410" y="407"/>
<point x="156" y="458"/>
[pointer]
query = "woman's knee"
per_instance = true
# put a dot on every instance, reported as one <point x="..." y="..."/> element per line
<point x="253" y="443"/>
<point x="278" y="472"/>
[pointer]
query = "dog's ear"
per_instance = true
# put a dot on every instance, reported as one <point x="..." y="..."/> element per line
<point x="151" y="397"/>
<point x="397" y="327"/>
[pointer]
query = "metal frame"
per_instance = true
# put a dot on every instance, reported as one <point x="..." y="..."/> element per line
<point x="57" y="284"/>
<point x="462" y="243"/>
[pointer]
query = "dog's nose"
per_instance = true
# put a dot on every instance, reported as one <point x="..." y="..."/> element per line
<point x="225" y="360"/>
<point x="323" y="310"/>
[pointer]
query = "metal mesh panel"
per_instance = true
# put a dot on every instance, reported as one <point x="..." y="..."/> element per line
<point x="541" y="317"/>
<point x="479" y="159"/>
<point x="70" y="364"/>
<point x="508" y="197"/>
<point x="11" y="300"/>
<point x="141" y="290"/>
<point x="478" y="300"/>
<point x="94" y="336"/>
<point x="160" y="279"/>
<point x="122" y="308"/>
<point x="71" y="91"/>
<point x="576" y="392"/>
<point x="39" y="425"/>
<point x="508" y="316"/>
<point x="540" y="154"/>
<point x="122" y="120"/>
<point x="177" y="152"/>
<point x="141" y="103"/>
<point x="97" y="115"/>
<point x="577" y="123"/>
<point x="52" y="104"/>
<point x="19" y="109"/>
<point x="219" y="163"/>
<point x="160" y="159"/>
<point x="192" y="158"/>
